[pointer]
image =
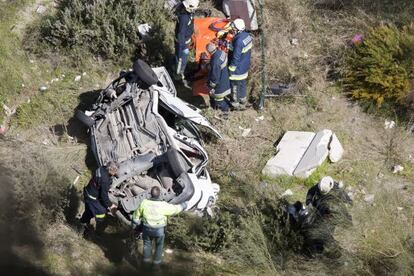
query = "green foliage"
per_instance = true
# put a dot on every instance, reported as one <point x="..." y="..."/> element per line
<point x="380" y="68"/>
<point x="108" y="29"/>
<point x="208" y="234"/>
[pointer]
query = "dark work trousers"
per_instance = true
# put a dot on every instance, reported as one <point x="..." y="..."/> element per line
<point x="239" y="91"/>
<point x="93" y="208"/>
<point x="149" y="235"/>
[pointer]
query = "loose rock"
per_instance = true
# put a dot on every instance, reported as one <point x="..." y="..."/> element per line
<point x="78" y="78"/>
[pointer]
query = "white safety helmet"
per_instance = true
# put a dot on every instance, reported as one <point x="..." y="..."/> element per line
<point x="191" y="5"/>
<point x="326" y="184"/>
<point x="238" y="24"/>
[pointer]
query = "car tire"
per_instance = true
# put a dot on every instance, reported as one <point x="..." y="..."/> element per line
<point x="86" y="120"/>
<point x="145" y="72"/>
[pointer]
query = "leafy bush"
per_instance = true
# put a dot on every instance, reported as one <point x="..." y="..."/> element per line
<point x="380" y="67"/>
<point x="108" y="28"/>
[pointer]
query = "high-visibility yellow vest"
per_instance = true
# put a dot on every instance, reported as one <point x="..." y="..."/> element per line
<point x="154" y="213"/>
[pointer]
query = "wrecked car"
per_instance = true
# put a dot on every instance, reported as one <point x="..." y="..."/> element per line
<point x="139" y="122"/>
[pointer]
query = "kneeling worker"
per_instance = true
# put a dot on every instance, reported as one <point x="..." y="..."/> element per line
<point x="218" y="77"/>
<point x="97" y="202"/>
<point x="153" y="213"/>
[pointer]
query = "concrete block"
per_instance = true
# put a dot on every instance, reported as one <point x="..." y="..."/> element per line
<point x="315" y="154"/>
<point x="290" y="149"/>
<point x="335" y="149"/>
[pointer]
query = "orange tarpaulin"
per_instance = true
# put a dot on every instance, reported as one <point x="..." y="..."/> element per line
<point x="203" y="34"/>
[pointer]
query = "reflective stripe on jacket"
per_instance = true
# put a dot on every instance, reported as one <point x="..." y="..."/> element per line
<point x="218" y="76"/>
<point x="154" y="213"/>
<point x="240" y="56"/>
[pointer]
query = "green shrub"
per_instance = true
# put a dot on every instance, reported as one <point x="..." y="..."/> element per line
<point x="380" y="67"/>
<point x="108" y="28"/>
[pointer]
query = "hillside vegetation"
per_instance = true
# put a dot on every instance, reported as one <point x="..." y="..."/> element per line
<point x="45" y="149"/>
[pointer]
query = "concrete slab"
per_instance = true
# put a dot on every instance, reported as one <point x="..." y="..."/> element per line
<point x="315" y="154"/>
<point x="290" y="149"/>
<point x="335" y="149"/>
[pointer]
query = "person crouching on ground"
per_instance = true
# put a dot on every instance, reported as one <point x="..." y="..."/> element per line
<point x="96" y="197"/>
<point x="218" y="78"/>
<point x="153" y="213"/>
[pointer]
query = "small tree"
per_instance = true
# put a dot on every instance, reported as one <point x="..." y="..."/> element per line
<point x="380" y="67"/>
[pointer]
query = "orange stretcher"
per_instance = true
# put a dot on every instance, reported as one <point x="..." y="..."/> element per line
<point x="205" y="31"/>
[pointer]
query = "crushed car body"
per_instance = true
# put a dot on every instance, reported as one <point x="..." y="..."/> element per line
<point x="139" y="122"/>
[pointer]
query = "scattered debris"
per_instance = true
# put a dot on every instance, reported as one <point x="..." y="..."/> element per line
<point x="43" y="88"/>
<point x="245" y="132"/>
<point x="369" y="198"/>
<point x="300" y="153"/>
<point x="84" y="74"/>
<point x="294" y="41"/>
<point x="41" y="9"/>
<point x="23" y="85"/>
<point x="9" y="111"/>
<point x="397" y="169"/>
<point x="144" y="31"/>
<point x="78" y="78"/>
<point x="389" y="124"/>
<point x="31" y="61"/>
<point x="54" y="80"/>
<point x="76" y="180"/>
<point x="260" y="118"/>
<point x="2" y="130"/>
<point x="288" y="192"/>
<point x="46" y="142"/>
<point x="169" y="251"/>
<point x="400" y="208"/>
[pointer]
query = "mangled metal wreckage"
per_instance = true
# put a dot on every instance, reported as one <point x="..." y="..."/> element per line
<point x="139" y="122"/>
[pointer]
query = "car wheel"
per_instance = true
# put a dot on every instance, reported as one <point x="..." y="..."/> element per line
<point x="86" y="120"/>
<point x="145" y="72"/>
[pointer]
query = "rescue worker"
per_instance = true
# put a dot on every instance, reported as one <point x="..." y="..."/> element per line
<point x="329" y="203"/>
<point x="218" y="78"/>
<point x="153" y="214"/>
<point x="323" y="188"/>
<point x="240" y="55"/>
<point x="97" y="202"/>
<point x="183" y="32"/>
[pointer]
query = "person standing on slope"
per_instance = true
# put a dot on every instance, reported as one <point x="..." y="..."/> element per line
<point x="240" y="56"/>
<point x="183" y="32"/>
<point x="153" y="214"/>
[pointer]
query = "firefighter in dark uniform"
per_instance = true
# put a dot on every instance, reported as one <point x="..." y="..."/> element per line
<point x="183" y="32"/>
<point x="218" y="78"/>
<point x="96" y="197"/>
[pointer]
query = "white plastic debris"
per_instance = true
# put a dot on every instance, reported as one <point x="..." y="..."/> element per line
<point x="288" y="192"/>
<point x="23" y="85"/>
<point x="389" y="124"/>
<point x="43" y="88"/>
<point x="41" y="9"/>
<point x="260" y="118"/>
<point x="397" y="169"/>
<point x="246" y="132"/>
<point x="294" y="41"/>
<point x="144" y="30"/>
<point x="400" y="208"/>
<point x="84" y="74"/>
<point x="169" y="251"/>
<point x="46" y="142"/>
<point x="76" y="180"/>
<point x="78" y="78"/>
<point x="369" y="198"/>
